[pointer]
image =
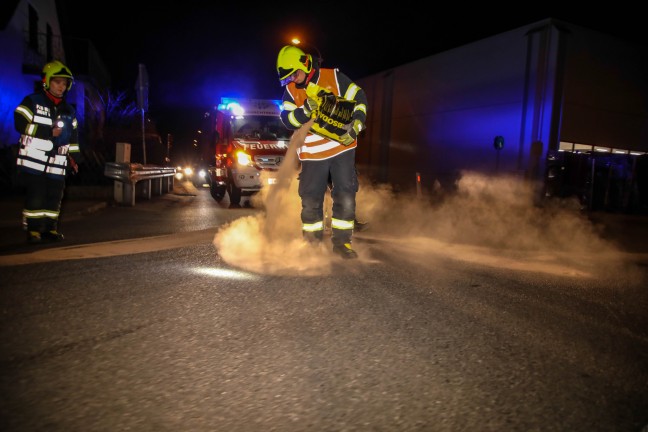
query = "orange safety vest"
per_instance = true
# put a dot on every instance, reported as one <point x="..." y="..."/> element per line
<point x="316" y="147"/>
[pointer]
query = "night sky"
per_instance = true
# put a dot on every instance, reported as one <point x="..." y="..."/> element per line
<point x="197" y="51"/>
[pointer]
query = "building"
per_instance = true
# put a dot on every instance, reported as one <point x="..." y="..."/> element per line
<point x="557" y="104"/>
<point x="31" y="36"/>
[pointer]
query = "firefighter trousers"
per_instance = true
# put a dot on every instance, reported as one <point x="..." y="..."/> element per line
<point x="313" y="184"/>
<point x="43" y="196"/>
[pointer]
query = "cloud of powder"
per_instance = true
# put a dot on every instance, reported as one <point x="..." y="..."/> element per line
<point x="271" y="242"/>
<point x="496" y="217"/>
<point x="491" y="220"/>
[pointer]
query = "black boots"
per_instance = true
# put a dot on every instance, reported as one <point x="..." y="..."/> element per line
<point x="313" y="237"/>
<point x="35" y="237"/>
<point x="345" y="251"/>
<point x="52" y="236"/>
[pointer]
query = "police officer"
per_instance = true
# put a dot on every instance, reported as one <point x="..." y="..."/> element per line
<point x="323" y="154"/>
<point x="48" y="136"/>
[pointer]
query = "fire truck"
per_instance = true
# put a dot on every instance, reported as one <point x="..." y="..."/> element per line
<point x="250" y="144"/>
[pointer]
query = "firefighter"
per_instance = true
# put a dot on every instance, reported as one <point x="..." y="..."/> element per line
<point x="323" y="154"/>
<point x="48" y="136"/>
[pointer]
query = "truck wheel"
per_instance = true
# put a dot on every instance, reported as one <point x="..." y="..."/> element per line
<point x="234" y="194"/>
<point x="217" y="192"/>
<point x="233" y="191"/>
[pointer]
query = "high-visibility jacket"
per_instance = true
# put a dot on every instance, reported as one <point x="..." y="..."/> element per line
<point x="40" y="152"/>
<point x="316" y="147"/>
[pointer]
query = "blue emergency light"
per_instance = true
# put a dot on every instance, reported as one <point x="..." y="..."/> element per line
<point x="239" y="106"/>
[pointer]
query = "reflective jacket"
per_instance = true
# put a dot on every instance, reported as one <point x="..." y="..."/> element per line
<point x="316" y="147"/>
<point x="40" y="152"/>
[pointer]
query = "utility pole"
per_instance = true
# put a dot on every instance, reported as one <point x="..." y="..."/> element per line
<point x="142" y="101"/>
<point x="169" y="145"/>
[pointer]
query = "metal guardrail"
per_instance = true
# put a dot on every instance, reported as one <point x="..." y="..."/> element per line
<point x="134" y="179"/>
<point x="127" y="171"/>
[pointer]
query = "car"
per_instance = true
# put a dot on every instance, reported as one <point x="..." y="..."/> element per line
<point x="197" y="174"/>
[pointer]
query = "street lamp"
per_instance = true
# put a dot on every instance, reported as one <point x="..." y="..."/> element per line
<point x="296" y="41"/>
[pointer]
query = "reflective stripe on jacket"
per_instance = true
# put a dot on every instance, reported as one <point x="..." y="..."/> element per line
<point x="39" y="151"/>
<point x="316" y="147"/>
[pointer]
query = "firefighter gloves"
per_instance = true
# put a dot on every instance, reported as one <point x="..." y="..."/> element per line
<point x="310" y="107"/>
<point x="357" y="127"/>
<point x="347" y="139"/>
<point x="354" y="130"/>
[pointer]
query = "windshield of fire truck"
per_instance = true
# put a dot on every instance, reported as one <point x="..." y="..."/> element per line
<point x="267" y="128"/>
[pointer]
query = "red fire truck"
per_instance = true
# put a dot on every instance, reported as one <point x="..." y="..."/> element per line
<point x="250" y="139"/>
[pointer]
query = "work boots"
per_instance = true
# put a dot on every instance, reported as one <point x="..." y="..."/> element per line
<point x="345" y="251"/>
<point x="313" y="237"/>
<point x="52" y="236"/>
<point x="35" y="237"/>
<point x="360" y="226"/>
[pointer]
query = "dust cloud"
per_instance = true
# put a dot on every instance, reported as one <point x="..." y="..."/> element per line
<point x="487" y="220"/>
<point x="270" y="242"/>
<point x="494" y="221"/>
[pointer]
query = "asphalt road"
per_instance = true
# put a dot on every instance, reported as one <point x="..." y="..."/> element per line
<point x="182" y="314"/>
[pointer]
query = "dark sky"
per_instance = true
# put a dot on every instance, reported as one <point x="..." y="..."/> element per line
<point x="197" y="51"/>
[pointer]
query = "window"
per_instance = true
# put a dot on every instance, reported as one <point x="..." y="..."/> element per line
<point x="33" y="28"/>
<point x="50" y="43"/>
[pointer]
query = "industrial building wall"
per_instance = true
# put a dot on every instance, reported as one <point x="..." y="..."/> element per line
<point x="440" y="115"/>
<point x="534" y="86"/>
<point x="606" y="92"/>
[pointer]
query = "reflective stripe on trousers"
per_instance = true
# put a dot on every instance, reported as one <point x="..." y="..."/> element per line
<point x="313" y="183"/>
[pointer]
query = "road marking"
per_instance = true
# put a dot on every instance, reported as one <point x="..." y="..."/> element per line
<point x="112" y="248"/>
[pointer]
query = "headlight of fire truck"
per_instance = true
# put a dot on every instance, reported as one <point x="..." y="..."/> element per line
<point x="243" y="158"/>
<point x="188" y="171"/>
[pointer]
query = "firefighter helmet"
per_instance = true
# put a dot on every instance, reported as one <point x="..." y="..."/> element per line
<point x="56" y="69"/>
<point x="290" y="60"/>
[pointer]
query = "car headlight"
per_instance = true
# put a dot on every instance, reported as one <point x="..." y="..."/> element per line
<point x="188" y="171"/>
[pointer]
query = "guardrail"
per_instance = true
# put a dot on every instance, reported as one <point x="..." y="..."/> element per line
<point x="137" y="180"/>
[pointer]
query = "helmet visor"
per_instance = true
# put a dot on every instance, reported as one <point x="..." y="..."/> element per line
<point x="290" y="78"/>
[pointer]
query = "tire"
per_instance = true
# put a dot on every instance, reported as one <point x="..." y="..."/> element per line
<point x="233" y="191"/>
<point x="217" y="192"/>
<point x="234" y="194"/>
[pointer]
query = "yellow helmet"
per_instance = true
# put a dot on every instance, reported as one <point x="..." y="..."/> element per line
<point x="56" y="69"/>
<point x="291" y="59"/>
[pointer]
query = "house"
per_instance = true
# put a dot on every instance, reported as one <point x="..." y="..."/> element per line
<point x="30" y="36"/>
